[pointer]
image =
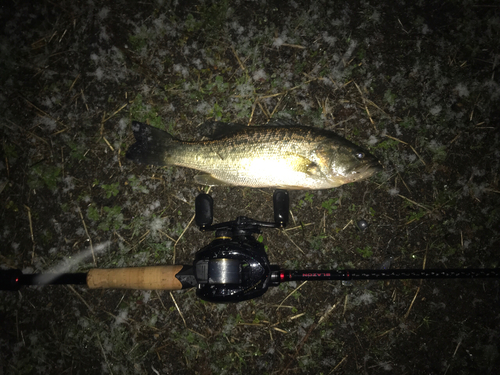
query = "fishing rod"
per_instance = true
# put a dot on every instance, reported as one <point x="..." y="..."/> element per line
<point x="233" y="267"/>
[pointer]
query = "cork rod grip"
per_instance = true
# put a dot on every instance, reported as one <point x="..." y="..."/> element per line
<point x="146" y="278"/>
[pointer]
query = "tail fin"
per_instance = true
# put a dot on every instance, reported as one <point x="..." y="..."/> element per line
<point x="151" y="144"/>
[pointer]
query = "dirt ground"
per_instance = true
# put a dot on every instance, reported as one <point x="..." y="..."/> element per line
<point x="416" y="84"/>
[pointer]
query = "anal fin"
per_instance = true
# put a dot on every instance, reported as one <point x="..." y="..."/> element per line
<point x="209" y="180"/>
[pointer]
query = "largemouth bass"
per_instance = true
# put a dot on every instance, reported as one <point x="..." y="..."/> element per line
<point x="281" y="155"/>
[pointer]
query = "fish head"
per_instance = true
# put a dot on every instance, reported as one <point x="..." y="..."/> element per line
<point x="348" y="163"/>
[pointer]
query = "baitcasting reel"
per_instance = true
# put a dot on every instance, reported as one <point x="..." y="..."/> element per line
<point x="235" y="267"/>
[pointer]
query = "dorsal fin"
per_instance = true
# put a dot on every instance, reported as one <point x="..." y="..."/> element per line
<point x="282" y="122"/>
<point x="216" y="129"/>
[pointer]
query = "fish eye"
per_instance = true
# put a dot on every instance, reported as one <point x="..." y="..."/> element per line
<point x="359" y="155"/>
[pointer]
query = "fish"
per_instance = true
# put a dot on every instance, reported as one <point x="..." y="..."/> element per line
<point x="280" y="154"/>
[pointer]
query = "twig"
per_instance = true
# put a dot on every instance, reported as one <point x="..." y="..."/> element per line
<point x="159" y="297"/>
<point x="404" y="183"/>
<point x="296" y="316"/>
<point x="70" y="287"/>
<point x="293" y="46"/>
<point x="415" y="203"/>
<point x="104" y="354"/>
<point x="298" y="227"/>
<point x="403" y="142"/>
<point x="166" y="235"/>
<point x="39" y="138"/>
<point x="447" y="368"/>
<point x="253" y="111"/>
<point x="251" y="324"/>
<point x="17" y="324"/>
<point x="264" y="109"/>
<point x="456" y="349"/>
<point x="143" y="237"/>
<point x="31" y="233"/>
<point x="475" y="103"/>
<point x="355" y="334"/>
<point x="313" y="326"/>
<point x="344" y="85"/>
<point x="297" y="246"/>
<point x="123" y="296"/>
<point x="456" y="137"/>
<point x="176" y="242"/>
<point x="293" y="291"/>
<point x="62" y="36"/>
<point x="179" y="310"/>
<point x="276" y="107"/>
<point x="237" y="58"/>
<point x="114" y="113"/>
<point x="44" y="113"/>
<point x="366" y="107"/>
<point x="402" y="27"/>
<point x="182" y="234"/>
<point x="280" y="330"/>
<point x="88" y="236"/>
<point x="418" y="289"/>
<point x="345" y="304"/>
<point x="84" y="100"/>
<point x="283" y="307"/>
<point x="197" y="333"/>
<point x="492" y="190"/>
<point x="350" y="222"/>
<point x="8" y="170"/>
<point x="299" y="347"/>
<point x="109" y="145"/>
<point x="102" y="123"/>
<point x="73" y="84"/>
<point x="287" y="91"/>
<point x="386" y="332"/>
<point x="272" y="95"/>
<point x="343" y="359"/>
<point x="376" y="106"/>
<point x="327" y="314"/>
<point x="411" y="304"/>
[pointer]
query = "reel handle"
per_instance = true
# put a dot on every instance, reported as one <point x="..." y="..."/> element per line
<point x="204" y="210"/>
<point x="281" y="206"/>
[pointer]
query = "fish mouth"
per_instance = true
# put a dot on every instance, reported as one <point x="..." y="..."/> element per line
<point x="365" y="171"/>
<point x="376" y="166"/>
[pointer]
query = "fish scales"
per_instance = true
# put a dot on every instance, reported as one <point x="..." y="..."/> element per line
<point x="251" y="157"/>
<point x="269" y="142"/>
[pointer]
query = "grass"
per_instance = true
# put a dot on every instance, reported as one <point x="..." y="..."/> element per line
<point x="415" y="84"/>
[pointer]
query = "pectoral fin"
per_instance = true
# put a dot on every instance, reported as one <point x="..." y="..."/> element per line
<point x="209" y="180"/>
<point x="303" y="164"/>
<point x="313" y="169"/>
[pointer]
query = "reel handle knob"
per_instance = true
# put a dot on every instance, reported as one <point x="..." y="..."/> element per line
<point x="281" y="207"/>
<point x="204" y="210"/>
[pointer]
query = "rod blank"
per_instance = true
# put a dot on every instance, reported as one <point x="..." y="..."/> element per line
<point x="297" y="275"/>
